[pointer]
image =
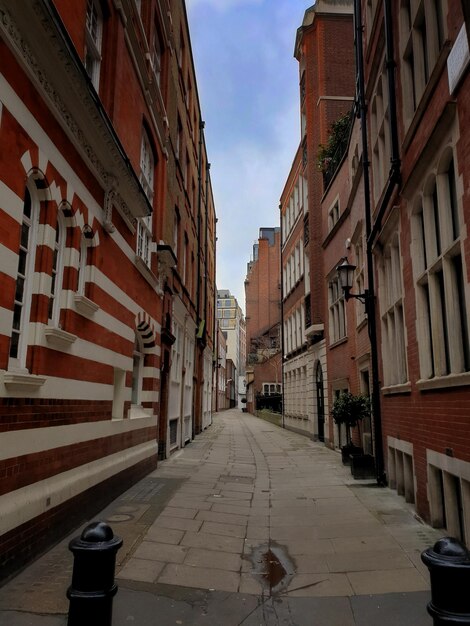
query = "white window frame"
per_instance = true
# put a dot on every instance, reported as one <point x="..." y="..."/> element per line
<point x="93" y="41"/>
<point x="440" y="299"/>
<point x="18" y="362"/>
<point x="57" y="271"/>
<point x="137" y="373"/>
<point x="392" y="312"/>
<point x="337" y="311"/>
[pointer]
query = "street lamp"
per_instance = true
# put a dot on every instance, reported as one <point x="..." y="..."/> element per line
<point x="346" y="277"/>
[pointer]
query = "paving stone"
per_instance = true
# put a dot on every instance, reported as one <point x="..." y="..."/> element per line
<point x="164" y="535"/>
<point x="223" y="518"/>
<point x="230" y="530"/>
<point x="213" y="542"/>
<point x="164" y="552"/>
<point x="178" y="523"/>
<point x="320" y="585"/>
<point x="141" y="570"/>
<point x="213" y="559"/>
<point x="387" y="581"/>
<point x="200" y="578"/>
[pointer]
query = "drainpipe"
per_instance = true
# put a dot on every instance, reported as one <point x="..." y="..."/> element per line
<point x="199" y="200"/>
<point x="282" y="318"/>
<point x="394" y="176"/>
<point x="371" y="312"/>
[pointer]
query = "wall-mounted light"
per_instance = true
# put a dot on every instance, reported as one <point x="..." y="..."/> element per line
<point x="346" y="277"/>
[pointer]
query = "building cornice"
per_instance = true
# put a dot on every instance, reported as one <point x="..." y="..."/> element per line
<point x="40" y="44"/>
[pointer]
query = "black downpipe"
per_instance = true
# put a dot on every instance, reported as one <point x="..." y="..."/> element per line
<point x="371" y="302"/>
<point x="199" y="200"/>
<point x="206" y="235"/>
<point x="394" y="176"/>
<point x="281" y="238"/>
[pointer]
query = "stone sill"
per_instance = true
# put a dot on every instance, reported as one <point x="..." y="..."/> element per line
<point x="59" y="337"/>
<point x="28" y="381"/>
<point x="395" y="389"/>
<point x="442" y="382"/>
<point x="84" y="305"/>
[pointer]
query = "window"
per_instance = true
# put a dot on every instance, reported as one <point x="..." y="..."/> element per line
<point x="137" y="371"/>
<point x="333" y="215"/>
<point x="337" y="314"/>
<point x="147" y="166"/>
<point x="179" y="138"/>
<point x="391" y="313"/>
<point x="380" y="134"/>
<point x="270" y="389"/>
<point x="93" y="39"/>
<point x="176" y="232"/>
<point x="24" y="279"/>
<point x="439" y="276"/>
<point x="422" y="35"/>
<point x="359" y="278"/>
<point x="57" y="271"/>
<point x="144" y="226"/>
<point x="157" y="54"/>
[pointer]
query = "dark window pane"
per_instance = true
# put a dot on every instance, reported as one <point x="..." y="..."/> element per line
<point x="17" y="316"/>
<point x="27" y="204"/>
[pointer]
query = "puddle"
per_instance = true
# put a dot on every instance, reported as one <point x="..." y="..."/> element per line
<point x="272" y="567"/>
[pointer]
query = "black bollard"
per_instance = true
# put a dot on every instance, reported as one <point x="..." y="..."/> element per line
<point x="449" y="568"/>
<point x="93" y="588"/>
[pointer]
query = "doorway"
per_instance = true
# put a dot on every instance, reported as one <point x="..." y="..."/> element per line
<point x="320" y="403"/>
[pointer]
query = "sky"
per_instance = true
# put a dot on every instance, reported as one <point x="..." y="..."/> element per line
<point x="248" y="85"/>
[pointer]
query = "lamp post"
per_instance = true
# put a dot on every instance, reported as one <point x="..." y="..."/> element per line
<point x="346" y="276"/>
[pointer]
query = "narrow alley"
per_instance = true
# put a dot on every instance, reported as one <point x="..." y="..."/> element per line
<point x="252" y="525"/>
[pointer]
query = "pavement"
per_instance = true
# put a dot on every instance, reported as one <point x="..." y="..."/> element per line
<point x="248" y="525"/>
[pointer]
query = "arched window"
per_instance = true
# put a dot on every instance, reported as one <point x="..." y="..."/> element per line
<point x="24" y="279"/>
<point x="57" y="271"/>
<point x="82" y="265"/>
<point x="137" y="371"/>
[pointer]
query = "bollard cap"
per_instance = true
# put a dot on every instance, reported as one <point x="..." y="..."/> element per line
<point x="447" y="550"/>
<point x="97" y="532"/>
<point x="97" y="536"/>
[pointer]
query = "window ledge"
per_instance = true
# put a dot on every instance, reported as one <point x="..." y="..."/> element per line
<point x="84" y="305"/>
<point x="395" y="389"/>
<point x="59" y="337"/>
<point x="145" y="271"/>
<point x="137" y="412"/>
<point x="441" y="382"/>
<point x="338" y="342"/>
<point x="314" y="329"/>
<point x="28" y="381"/>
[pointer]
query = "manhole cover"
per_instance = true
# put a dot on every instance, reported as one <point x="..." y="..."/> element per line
<point x="120" y="518"/>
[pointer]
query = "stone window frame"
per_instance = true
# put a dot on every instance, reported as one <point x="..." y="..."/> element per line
<point x="380" y="131"/>
<point x="337" y="311"/>
<point x="93" y="41"/>
<point x="57" y="270"/>
<point x="392" y="315"/>
<point x="422" y="34"/>
<point x="359" y="245"/>
<point x="333" y="214"/>
<point x="449" y="493"/>
<point x="25" y="277"/>
<point x="439" y="271"/>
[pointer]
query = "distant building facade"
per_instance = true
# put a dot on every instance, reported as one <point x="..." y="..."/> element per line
<point x="263" y="317"/>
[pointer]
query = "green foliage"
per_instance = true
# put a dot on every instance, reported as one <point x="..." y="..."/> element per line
<point x="349" y="409"/>
<point x="329" y="155"/>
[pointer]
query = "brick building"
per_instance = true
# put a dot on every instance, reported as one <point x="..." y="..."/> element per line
<point x="263" y="318"/>
<point x="419" y="143"/>
<point x="107" y="229"/>
<point x="326" y="78"/>
<point x="231" y="321"/>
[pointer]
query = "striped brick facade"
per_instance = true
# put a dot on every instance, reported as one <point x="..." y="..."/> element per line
<point x="91" y="268"/>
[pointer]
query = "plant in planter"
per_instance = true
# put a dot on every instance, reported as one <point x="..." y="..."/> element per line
<point x="350" y="410"/>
